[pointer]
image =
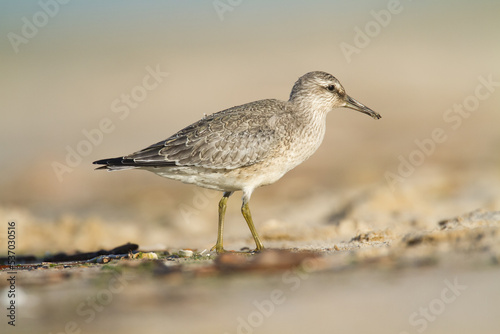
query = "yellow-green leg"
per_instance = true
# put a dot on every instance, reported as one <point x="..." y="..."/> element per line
<point x="219" y="248"/>
<point x="245" y="210"/>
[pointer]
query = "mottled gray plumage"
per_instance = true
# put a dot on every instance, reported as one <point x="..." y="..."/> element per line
<point x="247" y="146"/>
<point x="224" y="140"/>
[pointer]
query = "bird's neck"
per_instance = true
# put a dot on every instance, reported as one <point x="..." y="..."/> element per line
<point x="309" y="106"/>
<point x="313" y="113"/>
<point x="311" y="124"/>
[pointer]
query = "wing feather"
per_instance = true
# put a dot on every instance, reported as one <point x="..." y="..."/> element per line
<point x="233" y="138"/>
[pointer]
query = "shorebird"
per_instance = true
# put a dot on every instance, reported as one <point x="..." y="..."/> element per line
<point x="247" y="146"/>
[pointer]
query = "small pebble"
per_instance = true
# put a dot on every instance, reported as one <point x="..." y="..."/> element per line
<point x="186" y="253"/>
<point x="150" y="256"/>
<point x="145" y="255"/>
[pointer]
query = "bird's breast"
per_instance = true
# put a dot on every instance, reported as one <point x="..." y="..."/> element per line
<point x="303" y="141"/>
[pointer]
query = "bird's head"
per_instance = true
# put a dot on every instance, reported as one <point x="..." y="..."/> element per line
<point x="323" y="92"/>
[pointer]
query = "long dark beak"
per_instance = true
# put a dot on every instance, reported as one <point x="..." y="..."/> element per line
<point x="353" y="104"/>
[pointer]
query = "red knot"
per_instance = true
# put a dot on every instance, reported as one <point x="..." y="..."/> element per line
<point x="247" y="146"/>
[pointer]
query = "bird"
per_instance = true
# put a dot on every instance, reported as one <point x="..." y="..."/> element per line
<point x="247" y="146"/>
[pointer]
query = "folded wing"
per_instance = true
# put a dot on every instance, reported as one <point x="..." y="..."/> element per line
<point x="225" y="140"/>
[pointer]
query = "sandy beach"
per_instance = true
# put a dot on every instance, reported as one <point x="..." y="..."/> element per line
<point x="391" y="226"/>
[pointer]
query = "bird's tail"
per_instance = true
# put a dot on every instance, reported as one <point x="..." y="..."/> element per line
<point x="113" y="164"/>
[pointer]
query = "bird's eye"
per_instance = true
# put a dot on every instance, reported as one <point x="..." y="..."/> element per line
<point x="331" y="88"/>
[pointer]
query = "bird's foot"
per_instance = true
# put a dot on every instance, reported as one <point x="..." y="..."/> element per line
<point x="259" y="246"/>
<point x="218" y="249"/>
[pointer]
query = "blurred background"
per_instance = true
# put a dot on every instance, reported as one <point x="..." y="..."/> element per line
<point x="89" y="80"/>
